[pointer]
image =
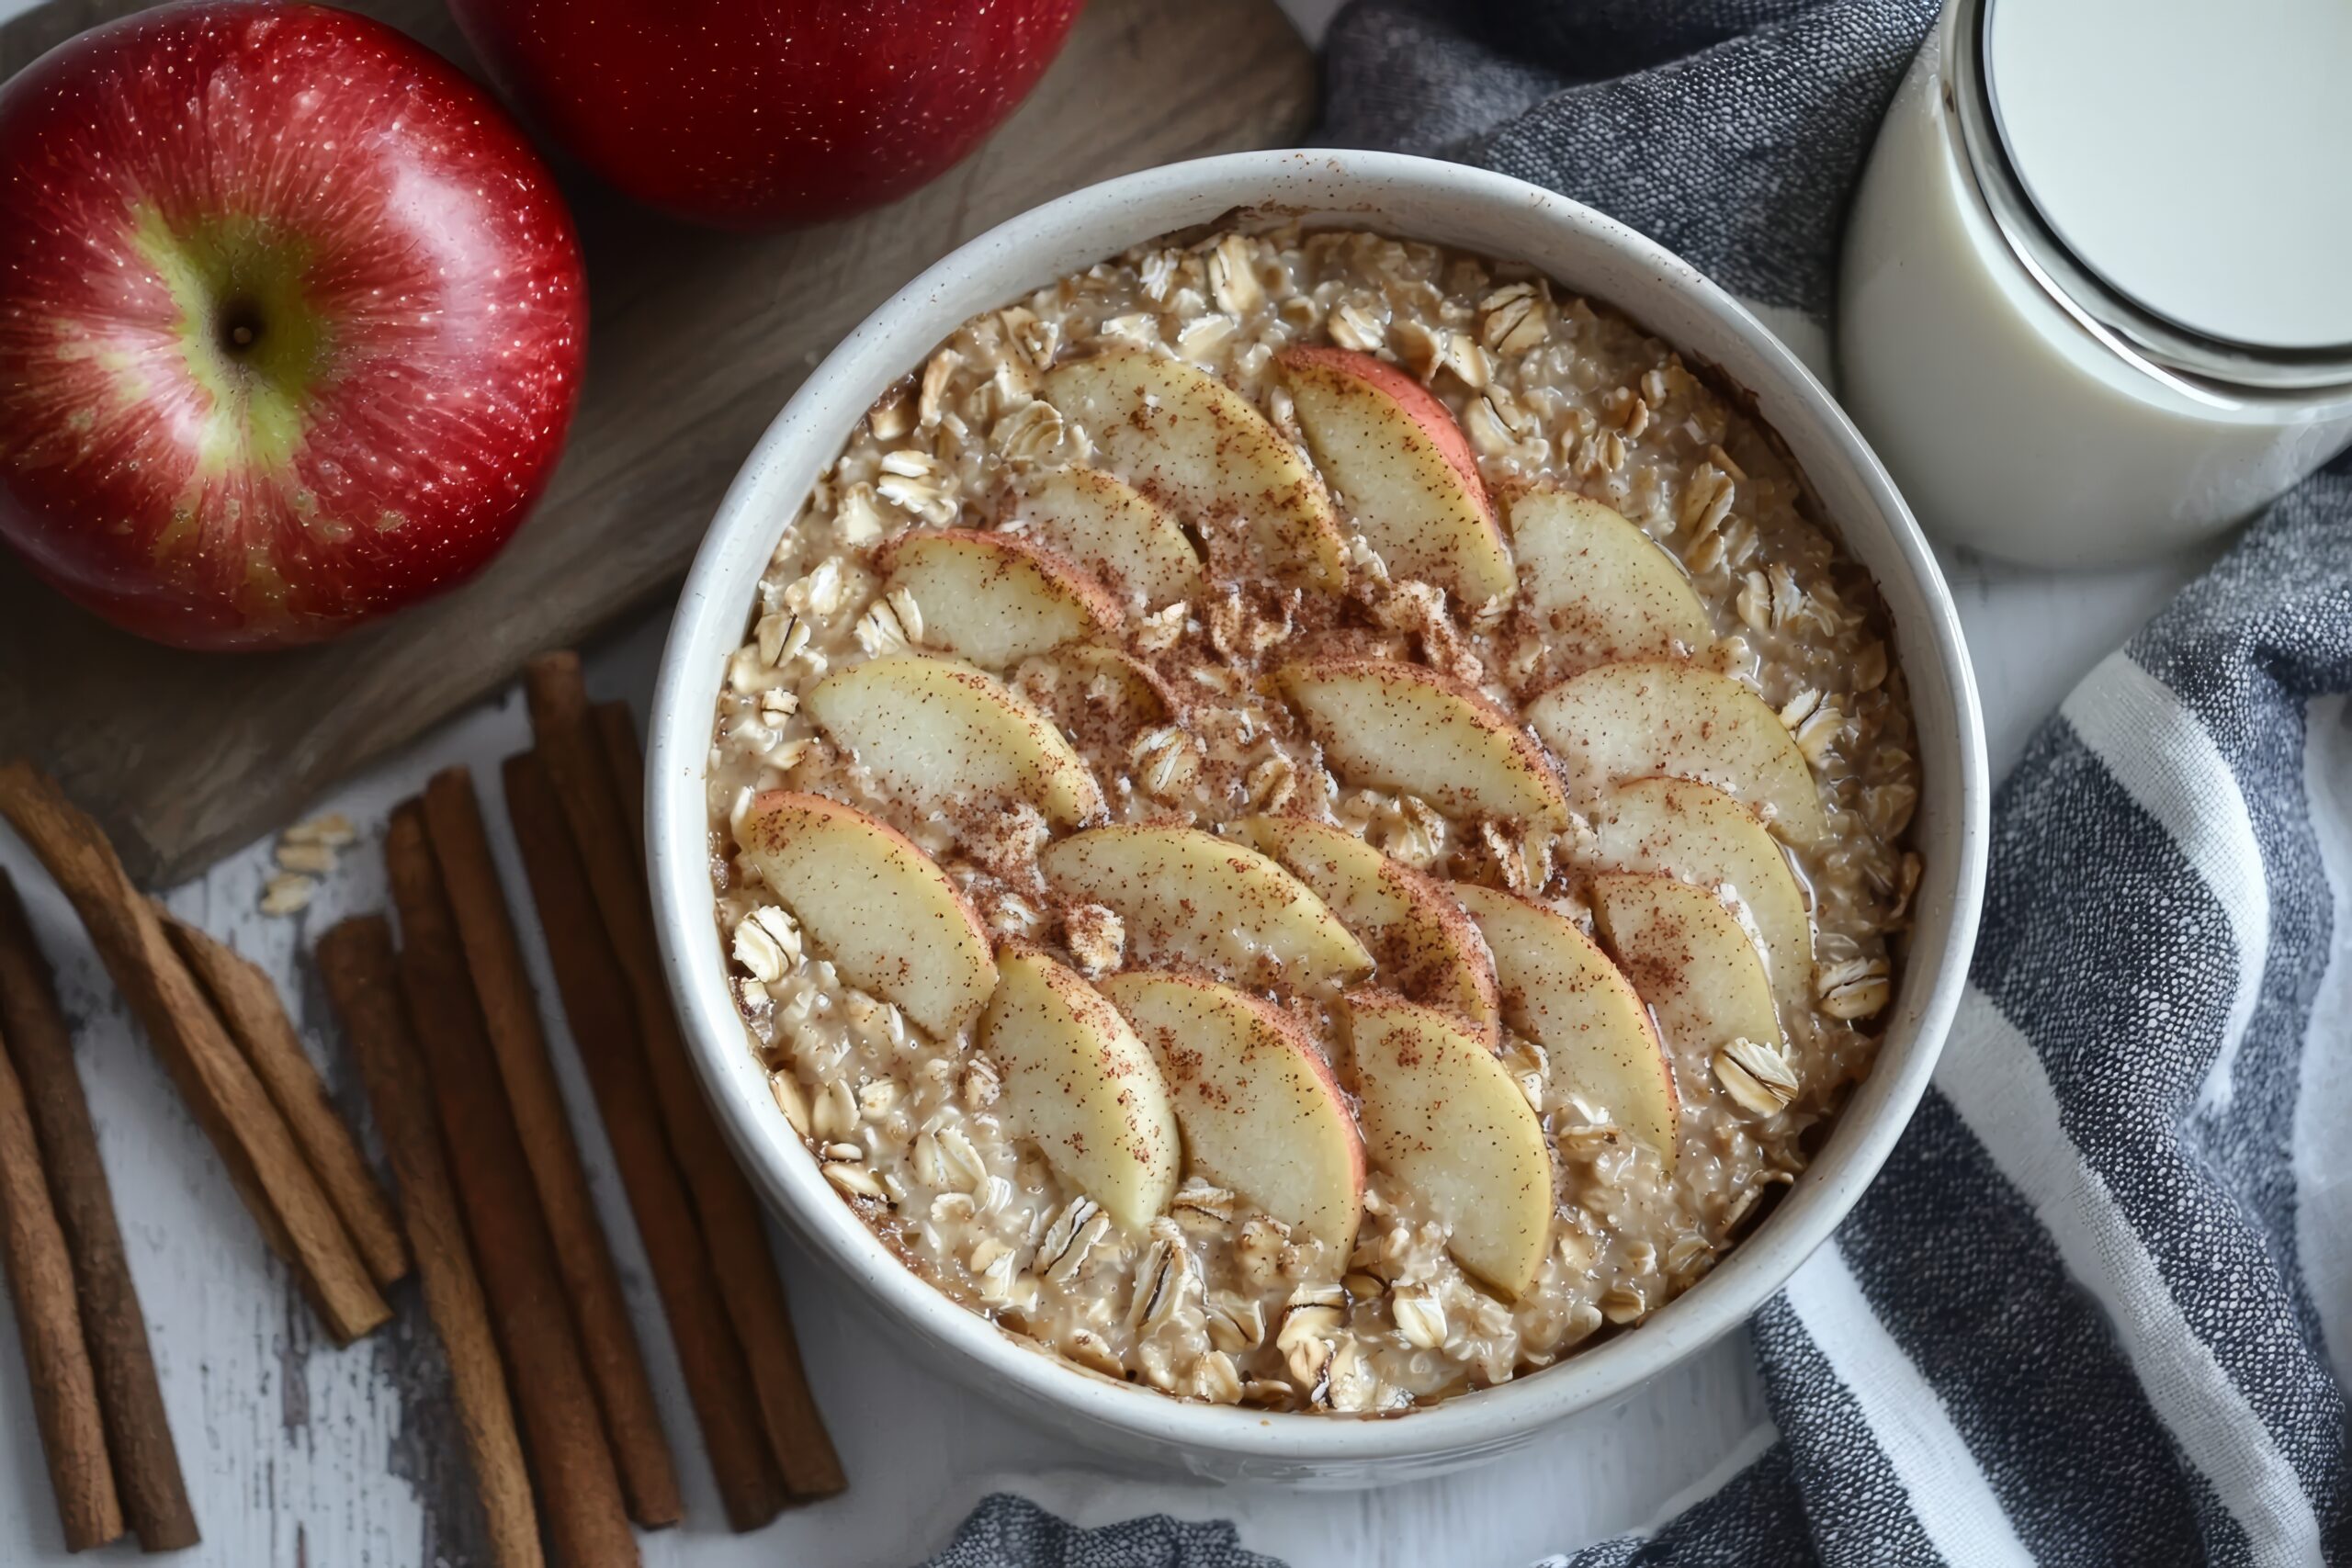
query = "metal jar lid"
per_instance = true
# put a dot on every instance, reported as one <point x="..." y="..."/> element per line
<point x="2177" y="177"/>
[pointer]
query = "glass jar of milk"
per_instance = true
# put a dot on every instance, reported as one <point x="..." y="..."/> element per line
<point x="2096" y="296"/>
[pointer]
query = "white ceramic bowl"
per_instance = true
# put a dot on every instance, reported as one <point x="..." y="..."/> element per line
<point x="1417" y="198"/>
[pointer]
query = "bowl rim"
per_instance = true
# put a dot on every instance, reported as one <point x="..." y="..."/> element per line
<point x="715" y="605"/>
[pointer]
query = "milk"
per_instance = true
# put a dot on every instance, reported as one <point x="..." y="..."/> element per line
<point x="2016" y="410"/>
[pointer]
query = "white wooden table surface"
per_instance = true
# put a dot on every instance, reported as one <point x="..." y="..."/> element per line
<point x="297" y="1454"/>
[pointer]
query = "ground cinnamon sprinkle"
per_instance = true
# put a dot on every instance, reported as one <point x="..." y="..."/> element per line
<point x="1181" y="718"/>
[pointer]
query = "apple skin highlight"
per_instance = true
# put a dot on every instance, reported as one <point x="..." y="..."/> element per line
<point x="292" y="321"/>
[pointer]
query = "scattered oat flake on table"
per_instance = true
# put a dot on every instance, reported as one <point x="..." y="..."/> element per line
<point x="287" y="893"/>
<point x="312" y="859"/>
<point x="309" y="848"/>
<point x="333" y="832"/>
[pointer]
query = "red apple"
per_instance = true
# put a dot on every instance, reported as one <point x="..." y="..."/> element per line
<point x="752" y="113"/>
<point x="291" y="323"/>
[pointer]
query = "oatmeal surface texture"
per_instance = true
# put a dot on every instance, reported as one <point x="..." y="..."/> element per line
<point x="1182" y="644"/>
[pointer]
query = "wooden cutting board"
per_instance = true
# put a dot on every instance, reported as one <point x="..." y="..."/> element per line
<point x="697" y="340"/>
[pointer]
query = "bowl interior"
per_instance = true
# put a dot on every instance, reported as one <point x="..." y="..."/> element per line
<point x="1476" y="211"/>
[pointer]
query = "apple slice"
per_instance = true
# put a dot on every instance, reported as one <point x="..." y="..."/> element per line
<point x="1079" y="1085"/>
<point x="1118" y="534"/>
<point x="1190" y="897"/>
<point x="1188" y="441"/>
<point x="1425" y="946"/>
<point x="1260" y="1112"/>
<point x="1443" y="1114"/>
<point x="1607" y="590"/>
<point x="1561" y="991"/>
<point x="1647" y="718"/>
<point x="876" y="905"/>
<point x="1691" y="961"/>
<point x="1699" y="834"/>
<point x="995" y="599"/>
<point x="941" y="731"/>
<point x="1404" y="468"/>
<point x="1396" y="726"/>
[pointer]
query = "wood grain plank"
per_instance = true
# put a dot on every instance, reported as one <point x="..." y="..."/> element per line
<point x="696" y="339"/>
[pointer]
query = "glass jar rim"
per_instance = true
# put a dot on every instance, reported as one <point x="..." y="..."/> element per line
<point x="2169" y="349"/>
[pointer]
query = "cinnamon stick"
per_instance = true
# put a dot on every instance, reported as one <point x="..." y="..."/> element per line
<point x="249" y="1004"/>
<point x="617" y="738"/>
<point x="114" y="1328"/>
<point x="615" y="1366"/>
<point x="564" y="1434"/>
<point x="40" y="1283"/>
<point x="362" y="979"/>
<point x="730" y="1215"/>
<point x="228" y="1101"/>
<point x="596" y="1002"/>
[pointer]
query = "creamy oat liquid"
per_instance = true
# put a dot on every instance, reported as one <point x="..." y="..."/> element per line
<point x="2094" y="302"/>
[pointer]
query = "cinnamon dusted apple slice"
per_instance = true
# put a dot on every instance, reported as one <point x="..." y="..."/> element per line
<point x="1650" y="717"/>
<point x="1396" y="726"/>
<point x="1607" y="590"/>
<point x="937" y="730"/>
<point x="1442" y="1113"/>
<point x="1260" y="1112"/>
<point x="995" y="599"/>
<point x="1079" y="1085"/>
<point x="1425" y="946"/>
<point x="1190" y="897"/>
<point x="1119" y="535"/>
<point x="1561" y="992"/>
<point x="1699" y="834"/>
<point x="1403" y="468"/>
<point x="1687" y="954"/>
<point x="875" y="904"/>
<point x="1190" y="441"/>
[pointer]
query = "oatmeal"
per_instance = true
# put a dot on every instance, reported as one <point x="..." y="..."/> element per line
<point x="1305" y="819"/>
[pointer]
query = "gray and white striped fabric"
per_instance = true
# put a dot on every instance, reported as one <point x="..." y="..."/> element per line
<point x="2097" y="1308"/>
<point x="2086" y="1313"/>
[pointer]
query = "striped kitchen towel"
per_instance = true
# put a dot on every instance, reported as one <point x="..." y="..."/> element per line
<point x="2097" y="1307"/>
